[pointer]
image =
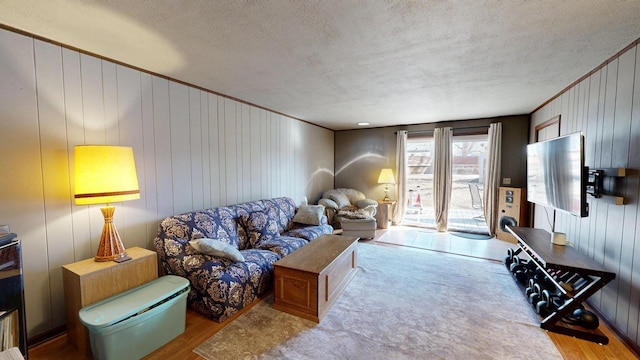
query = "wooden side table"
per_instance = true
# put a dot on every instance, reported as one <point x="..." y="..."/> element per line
<point x="384" y="213"/>
<point x="88" y="281"/>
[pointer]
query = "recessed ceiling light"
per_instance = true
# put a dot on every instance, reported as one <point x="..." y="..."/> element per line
<point x="363" y="124"/>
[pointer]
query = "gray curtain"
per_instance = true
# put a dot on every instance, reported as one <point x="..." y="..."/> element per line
<point x="401" y="174"/>
<point x="492" y="178"/>
<point x="442" y="175"/>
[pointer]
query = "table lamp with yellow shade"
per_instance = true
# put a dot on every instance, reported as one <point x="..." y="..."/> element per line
<point x="386" y="178"/>
<point x="105" y="175"/>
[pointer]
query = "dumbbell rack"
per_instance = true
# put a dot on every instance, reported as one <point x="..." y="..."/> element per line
<point x="556" y="259"/>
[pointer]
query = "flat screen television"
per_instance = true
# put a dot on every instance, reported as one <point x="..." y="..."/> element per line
<point x="556" y="175"/>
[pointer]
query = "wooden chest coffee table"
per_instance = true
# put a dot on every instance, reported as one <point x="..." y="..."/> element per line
<point x="309" y="280"/>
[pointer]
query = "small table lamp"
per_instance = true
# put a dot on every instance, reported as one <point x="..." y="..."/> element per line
<point x="103" y="175"/>
<point x="386" y="178"/>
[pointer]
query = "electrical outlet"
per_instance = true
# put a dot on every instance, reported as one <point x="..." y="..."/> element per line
<point x="506" y="181"/>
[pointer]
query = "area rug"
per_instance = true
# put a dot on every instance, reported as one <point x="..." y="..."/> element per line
<point x="402" y="304"/>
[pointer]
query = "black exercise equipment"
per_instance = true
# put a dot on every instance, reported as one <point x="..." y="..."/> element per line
<point x="515" y="262"/>
<point x="584" y="318"/>
<point x="545" y="307"/>
<point x="534" y="297"/>
<point x="509" y="258"/>
<point x="529" y="289"/>
<point x="557" y="280"/>
<point x="521" y="269"/>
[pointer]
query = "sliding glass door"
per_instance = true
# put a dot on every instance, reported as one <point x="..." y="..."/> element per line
<point x="465" y="212"/>
<point x="469" y="159"/>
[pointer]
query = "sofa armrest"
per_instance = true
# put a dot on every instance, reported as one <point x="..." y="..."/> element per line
<point x="310" y="233"/>
<point x="365" y="203"/>
<point x="171" y="251"/>
<point x="369" y="205"/>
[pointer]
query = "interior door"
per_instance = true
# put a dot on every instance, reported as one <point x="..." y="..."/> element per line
<point x="543" y="216"/>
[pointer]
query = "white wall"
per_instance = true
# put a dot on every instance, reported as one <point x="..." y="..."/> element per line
<point x="193" y="150"/>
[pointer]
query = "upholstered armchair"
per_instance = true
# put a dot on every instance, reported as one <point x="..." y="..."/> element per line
<point x="343" y="200"/>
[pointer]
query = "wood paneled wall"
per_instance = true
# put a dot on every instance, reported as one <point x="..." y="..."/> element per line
<point x="193" y="150"/>
<point x="605" y="106"/>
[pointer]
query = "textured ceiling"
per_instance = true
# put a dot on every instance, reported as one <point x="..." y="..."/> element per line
<point x="335" y="63"/>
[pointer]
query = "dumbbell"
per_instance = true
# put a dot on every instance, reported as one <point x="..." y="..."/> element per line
<point x="534" y="297"/>
<point x="548" y="285"/>
<point x="539" y="275"/>
<point x="584" y="318"/>
<point x="517" y="265"/>
<point x="541" y="278"/>
<point x="574" y="284"/>
<point x="566" y="277"/>
<point x="532" y="265"/>
<point x="515" y="261"/>
<point x="529" y="289"/>
<point x="549" y="302"/>
<point x="509" y="258"/>
<point x="587" y="319"/>
<point x="545" y="307"/>
<point x="542" y="285"/>
<point x="521" y="269"/>
<point x="578" y="284"/>
<point x="538" y="288"/>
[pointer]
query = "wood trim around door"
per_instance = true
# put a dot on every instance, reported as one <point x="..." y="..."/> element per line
<point x="552" y="121"/>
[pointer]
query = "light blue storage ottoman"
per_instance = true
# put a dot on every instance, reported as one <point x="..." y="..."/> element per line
<point x="136" y="322"/>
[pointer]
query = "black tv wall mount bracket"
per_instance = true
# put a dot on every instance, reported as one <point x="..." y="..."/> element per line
<point x="606" y="183"/>
<point x="595" y="182"/>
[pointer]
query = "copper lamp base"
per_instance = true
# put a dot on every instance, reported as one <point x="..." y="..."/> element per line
<point x="111" y="247"/>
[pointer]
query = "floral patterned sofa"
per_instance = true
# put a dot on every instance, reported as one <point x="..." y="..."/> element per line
<point x="259" y="232"/>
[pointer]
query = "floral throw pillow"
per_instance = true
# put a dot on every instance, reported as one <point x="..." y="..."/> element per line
<point x="259" y="226"/>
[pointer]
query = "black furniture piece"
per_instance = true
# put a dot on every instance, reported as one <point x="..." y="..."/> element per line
<point x="12" y="315"/>
<point x="558" y="265"/>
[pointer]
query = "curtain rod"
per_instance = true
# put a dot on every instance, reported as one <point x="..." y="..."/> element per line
<point x="457" y="128"/>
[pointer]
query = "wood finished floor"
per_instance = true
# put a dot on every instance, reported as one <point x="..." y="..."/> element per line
<point x="199" y="328"/>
